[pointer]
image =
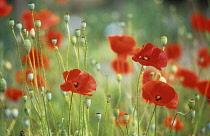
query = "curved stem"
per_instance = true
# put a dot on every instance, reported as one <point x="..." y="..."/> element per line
<point x="150" y="120"/>
<point x="119" y="94"/>
<point x="70" y="107"/>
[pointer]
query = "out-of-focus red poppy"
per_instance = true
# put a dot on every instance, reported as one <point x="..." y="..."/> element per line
<point x="79" y="82"/>
<point x="122" y="44"/>
<point x="208" y="25"/>
<point x="47" y="18"/>
<point x="150" y="75"/>
<point x="121" y="120"/>
<point x="188" y="77"/>
<point x="173" y="51"/>
<point x="177" y="125"/>
<point x="61" y="0"/>
<point x="53" y="34"/>
<point x="204" y="88"/>
<point x="20" y="80"/>
<point x="5" y="9"/>
<point x="203" y="58"/>
<point x="36" y="57"/>
<point x="199" y="22"/>
<point x="160" y="94"/>
<point x="14" y="94"/>
<point x="121" y="66"/>
<point x="151" y="55"/>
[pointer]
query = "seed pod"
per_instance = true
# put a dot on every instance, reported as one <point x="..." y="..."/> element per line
<point x="27" y="46"/>
<point x="31" y="6"/>
<point x="3" y="83"/>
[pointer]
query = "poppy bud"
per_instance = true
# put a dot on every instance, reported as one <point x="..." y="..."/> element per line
<point x="108" y="98"/>
<point x="66" y="17"/>
<point x="87" y="102"/>
<point x="63" y="93"/>
<point x="27" y="111"/>
<point x="77" y="32"/>
<point x="24" y="31"/>
<point x="133" y="134"/>
<point x="32" y="33"/>
<point x="54" y="41"/>
<point x="208" y="126"/>
<point x="3" y="83"/>
<point x="8" y="65"/>
<point x="197" y="97"/>
<point x="98" y="66"/>
<point x="25" y="97"/>
<point x="6" y="112"/>
<point x="38" y="24"/>
<point x="83" y="25"/>
<point x="27" y="46"/>
<point x="152" y="127"/>
<point x="119" y="77"/>
<point x="162" y="79"/>
<point x="11" y="22"/>
<point x="93" y="61"/>
<point x="203" y="131"/>
<point x="98" y="116"/>
<point x="30" y="76"/>
<point x="191" y="103"/>
<point x="22" y="133"/>
<point x="164" y="40"/>
<point x="14" y="112"/>
<point x="48" y="95"/>
<point x="31" y="6"/>
<point x="19" y="26"/>
<point x="126" y="117"/>
<point x="26" y="122"/>
<point x="42" y="89"/>
<point x="116" y="112"/>
<point x="82" y="40"/>
<point x="73" y="40"/>
<point x="31" y="93"/>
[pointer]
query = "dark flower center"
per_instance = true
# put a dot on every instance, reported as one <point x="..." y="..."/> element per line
<point x="143" y="58"/>
<point x="76" y="84"/>
<point x="158" y="97"/>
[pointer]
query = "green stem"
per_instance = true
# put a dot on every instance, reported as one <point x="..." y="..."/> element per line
<point x="98" y="127"/>
<point x="127" y="129"/>
<point x="150" y="120"/>
<point x="68" y="48"/>
<point x="11" y="127"/>
<point x="119" y="94"/>
<point x="70" y="107"/>
<point x="54" y="118"/>
<point x="119" y="126"/>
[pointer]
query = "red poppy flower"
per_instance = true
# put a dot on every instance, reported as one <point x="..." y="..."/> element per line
<point x="173" y="51"/>
<point x="121" y="120"/>
<point x="204" y="88"/>
<point x="122" y="44"/>
<point x="47" y="18"/>
<point x="20" y="80"/>
<point x="177" y="125"/>
<point x="188" y="77"/>
<point x="61" y="0"/>
<point x="35" y="57"/>
<point x="198" y="22"/>
<point x="160" y="94"/>
<point x="121" y="66"/>
<point x="5" y="9"/>
<point x="203" y="58"/>
<point x="79" y="82"/>
<point x="208" y="25"/>
<point x="53" y="34"/>
<point x="149" y="75"/>
<point x="151" y="55"/>
<point x="14" y="94"/>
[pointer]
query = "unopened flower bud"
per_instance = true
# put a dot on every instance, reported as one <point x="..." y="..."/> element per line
<point x="73" y="40"/>
<point x="191" y="103"/>
<point x="31" y="93"/>
<point x="32" y="33"/>
<point x="119" y="77"/>
<point x="6" y="112"/>
<point x="63" y="93"/>
<point x="48" y="95"/>
<point x="14" y="112"/>
<point x="83" y="25"/>
<point x="87" y="102"/>
<point x="30" y="76"/>
<point x="82" y="41"/>
<point x="3" y="83"/>
<point x="77" y="32"/>
<point x="38" y="24"/>
<point x="54" y="41"/>
<point x="162" y="79"/>
<point x="152" y="127"/>
<point x="116" y="112"/>
<point x="208" y="126"/>
<point x="126" y="117"/>
<point x="42" y="89"/>
<point x="27" y="46"/>
<point x="197" y="97"/>
<point x="11" y="22"/>
<point x="26" y="122"/>
<point x="164" y="40"/>
<point x="27" y="111"/>
<point x="31" y="6"/>
<point x="108" y="98"/>
<point x="25" y="97"/>
<point x="66" y="17"/>
<point x="98" y="116"/>
<point x="19" y="26"/>
<point x="24" y="31"/>
<point x="203" y="131"/>
<point x="98" y="66"/>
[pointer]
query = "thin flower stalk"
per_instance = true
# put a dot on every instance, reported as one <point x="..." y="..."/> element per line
<point x="147" y="131"/>
<point x="68" y="48"/>
<point x="70" y="107"/>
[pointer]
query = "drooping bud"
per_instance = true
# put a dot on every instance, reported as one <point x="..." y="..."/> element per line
<point x="191" y="104"/>
<point x="197" y="97"/>
<point x="30" y="76"/>
<point x="66" y="17"/>
<point x="83" y="25"/>
<point x="32" y="33"/>
<point x="116" y="112"/>
<point x="164" y="40"/>
<point x="98" y="116"/>
<point x="48" y="95"/>
<point x="14" y="112"/>
<point x="126" y="117"/>
<point x="108" y="98"/>
<point x="38" y="24"/>
<point x="31" y="6"/>
<point x="27" y="46"/>
<point x="77" y="32"/>
<point x="42" y="89"/>
<point x="152" y="127"/>
<point x="6" y="112"/>
<point x="19" y="26"/>
<point x="3" y="83"/>
<point x="73" y="40"/>
<point x="54" y="41"/>
<point x="119" y="77"/>
<point x="26" y="122"/>
<point x="25" y="98"/>
<point x="98" y="66"/>
<point x="162" y="79"/>
<point x="87" y="102"/>
<point x="11" y="22"/>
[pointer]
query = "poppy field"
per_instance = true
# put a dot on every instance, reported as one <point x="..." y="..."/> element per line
<point x="104" y="68"/>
